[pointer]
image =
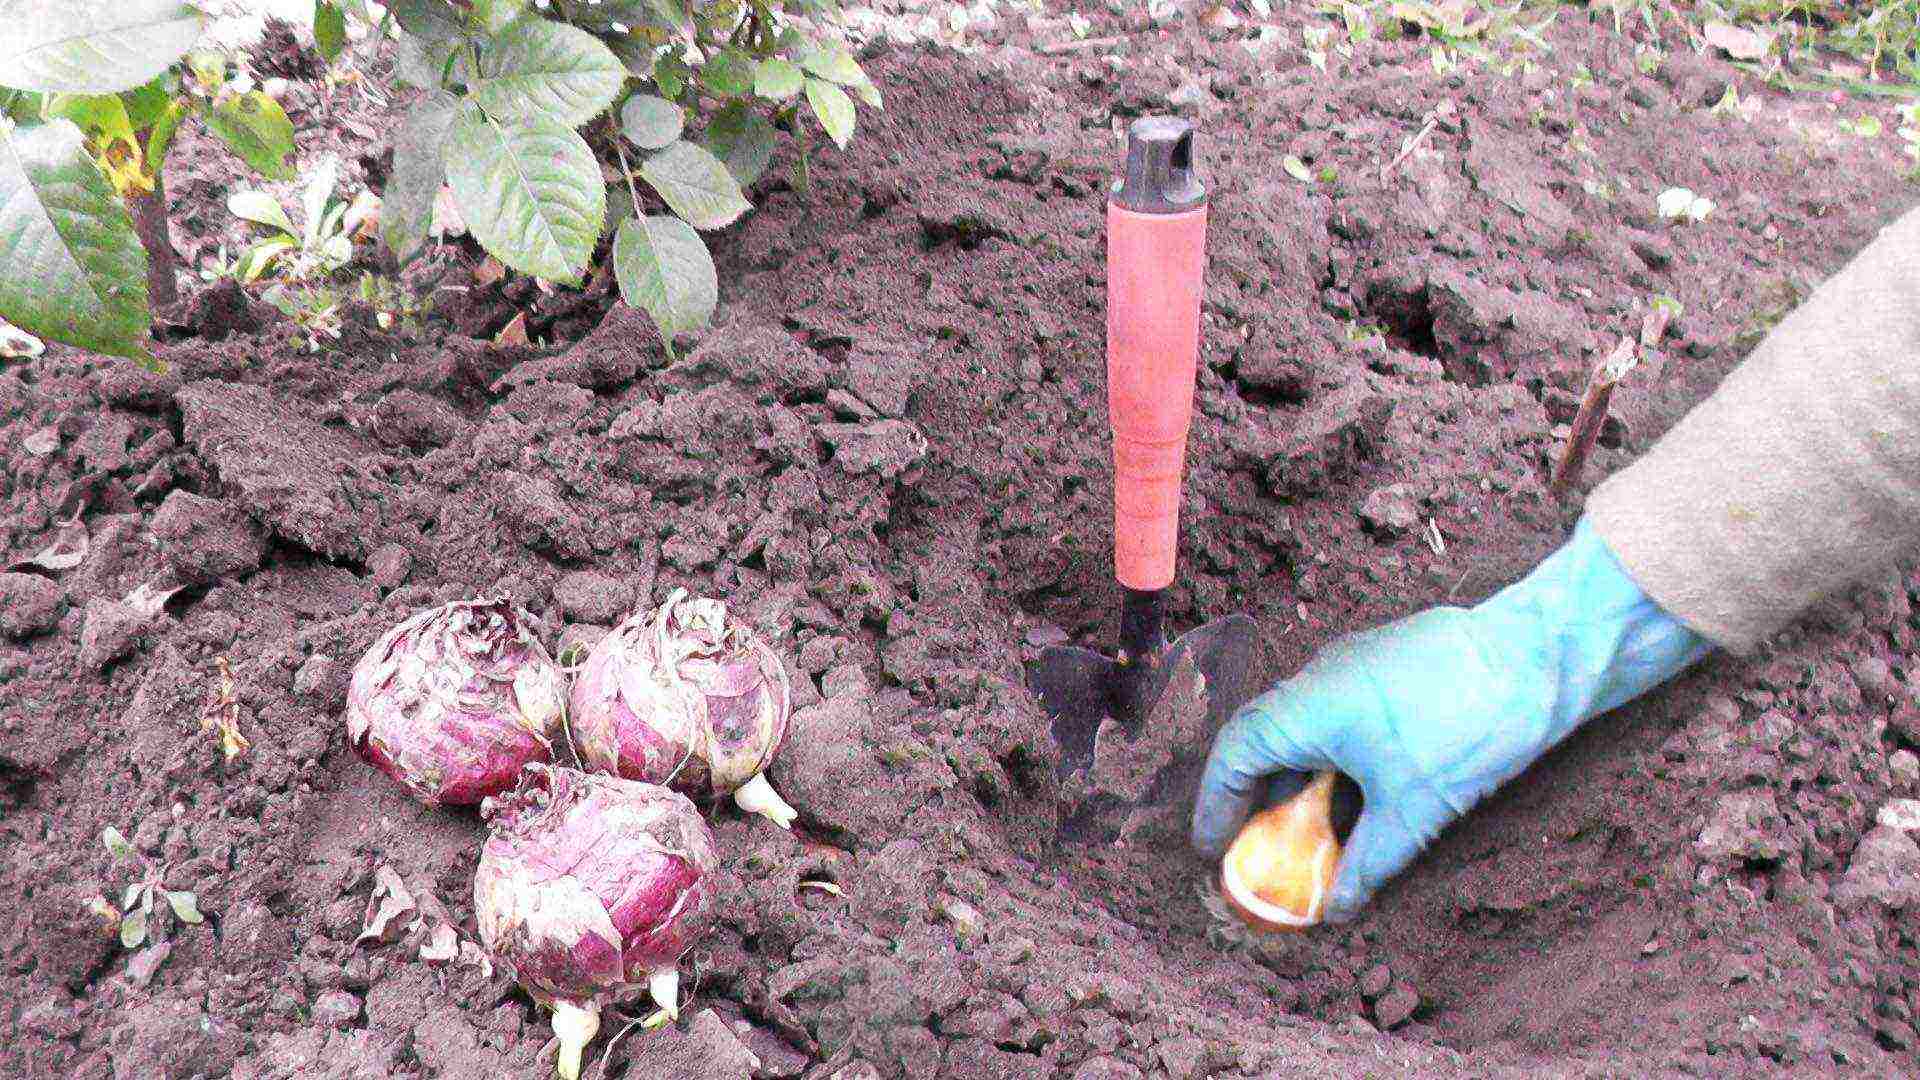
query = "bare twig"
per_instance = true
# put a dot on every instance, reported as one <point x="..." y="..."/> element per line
<point x="1412" y="145"/>
<point x="1055" y="48"/>
<point x="1592" y="415"/>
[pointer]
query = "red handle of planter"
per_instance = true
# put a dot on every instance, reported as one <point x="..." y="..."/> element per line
<point x="1156" y="260"/>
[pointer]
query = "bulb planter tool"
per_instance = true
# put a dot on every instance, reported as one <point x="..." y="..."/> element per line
<point x="1156" y="263"/>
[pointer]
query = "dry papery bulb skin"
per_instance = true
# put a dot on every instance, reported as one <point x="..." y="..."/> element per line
<point x="1278" y="870"/>
<point x="688" y="696"/>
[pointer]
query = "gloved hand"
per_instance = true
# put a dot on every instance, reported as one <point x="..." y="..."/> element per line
<point x="1431" y="713"/>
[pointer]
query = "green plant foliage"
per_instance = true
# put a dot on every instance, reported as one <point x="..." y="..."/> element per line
<point x="511" y="82"/>
<point x="87" y="47"/>
<point x="71" y="268"/>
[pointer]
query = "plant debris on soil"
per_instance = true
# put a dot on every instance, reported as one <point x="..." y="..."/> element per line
<point x="890" y="456"/>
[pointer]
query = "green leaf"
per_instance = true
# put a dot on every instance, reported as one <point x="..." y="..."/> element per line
<point x="834" y="65"/>
<point x="868" y="92"/>
<point x="116" y="845"/>
<point x="160" y="135"/>
<point x="777" y="79"/>
<point x="419" y="171"/>
<point x="314" y="198"/>
<point x="696" y="185"/>
<point x="664" y="270"/>
<point x="146" y="104"/>
<point x="257" y="130"/>
<point x="651" y="122"/>
<point x="101" y="115"/>
<point x="133" y="929"/>
<point x="494" y="15"/>
<point x="435" y="20"/>
<point x="71" y="267"/>
<point x="729" y="73"/>
<point x="135" y="896"/>
<point x="833" y="108"/>
<point x="21" y="105"/>
<point x="261" y="209"/>
<point x="743" y="139"/>
<point x="530" y="192"/>
<point x="801" y="168"/>
<point x="254" y="261"/>
<point x="98" y="47"/>
<point x="329" y="29"/>
<point x="537" y="68"/>
<point x="186" y="907"/>
<point x="670" y="74"/>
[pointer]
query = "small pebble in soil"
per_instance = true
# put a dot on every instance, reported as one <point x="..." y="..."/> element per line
<point x="336" y="1008"/>
<point x="1390" y="511"/>
<point x="389" y="566"/>
<point x="1885" y="867"/>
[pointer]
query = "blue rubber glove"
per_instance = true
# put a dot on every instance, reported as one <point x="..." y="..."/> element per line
<point x="1431" y="713"/>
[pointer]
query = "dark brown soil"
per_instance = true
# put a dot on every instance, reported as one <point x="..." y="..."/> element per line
<point x="890" y="455"/>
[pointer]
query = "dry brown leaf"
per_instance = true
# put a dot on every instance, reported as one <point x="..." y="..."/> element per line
<point x="488" y="272"/>
<point x="1738" y="41"/>
<point x="148" y="600"/>
<point x="67" y="551"/>
<point x="387" y="909"/>
<point x="441" y="946"/>
<point x="362" y="220"/>
<point x="514" y="333"/>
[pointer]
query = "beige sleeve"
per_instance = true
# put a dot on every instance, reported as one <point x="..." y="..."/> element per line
<point x="1800" y="475"/>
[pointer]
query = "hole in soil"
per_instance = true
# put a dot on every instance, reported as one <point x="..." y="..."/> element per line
<point x="16" y="785"/>
<point x="1407" y="319"/>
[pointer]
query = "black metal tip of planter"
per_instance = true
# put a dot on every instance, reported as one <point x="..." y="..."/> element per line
<point x="1158" y="177"/>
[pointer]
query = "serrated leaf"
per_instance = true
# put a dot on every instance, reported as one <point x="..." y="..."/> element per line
<point x="834" y="65"/>
<point x="419" y="171"/>
<point x="257" y="130"/>
<point x="777" y="79"/>
<point x="729" y="73"/>
<point x="696" y="185"/>
<point x="92" y="48"/>
<point x="186" y="907"/>
<point x="259" y="208"/>
<point x="833" y="108"/>
<point x="743" y="139"/>
<point x="651" y="122"/>
<point x="494" y="15"/>
<point x="530" y="192"/>
<point x="329" y="29"/>
<point x="432" y="19"/>
<point x="664" y="269"/>
<point x="133" y="929"/>
<point x="116" y="844"/>
<point x="537" y="68"/>
<point x="71" y="267"/>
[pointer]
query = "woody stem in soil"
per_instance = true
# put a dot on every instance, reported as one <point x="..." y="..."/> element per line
<point x="150" y="224"/>
<point x="1591" y="417"/>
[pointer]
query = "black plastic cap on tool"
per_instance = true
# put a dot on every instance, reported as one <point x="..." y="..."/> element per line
<point x="1158" y="177"/>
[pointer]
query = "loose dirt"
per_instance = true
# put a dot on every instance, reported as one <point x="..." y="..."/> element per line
<point x="890" y="456"/>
